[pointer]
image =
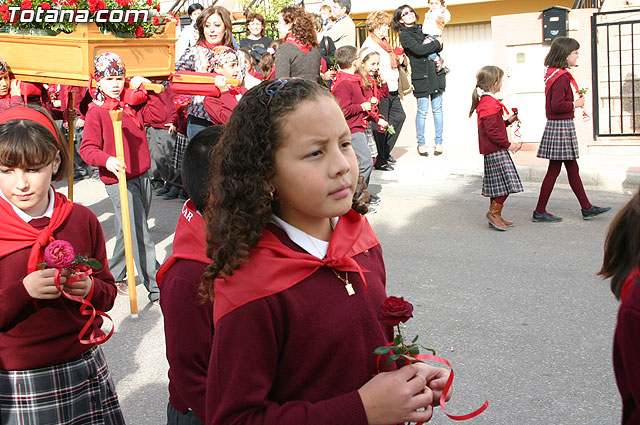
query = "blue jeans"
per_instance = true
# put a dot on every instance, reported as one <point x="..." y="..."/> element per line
<point x="421" y="117"/>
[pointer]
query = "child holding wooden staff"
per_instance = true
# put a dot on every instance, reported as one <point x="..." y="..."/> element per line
<point x="224" y="65"/>
<point x="9" y="89"/>
<point x="51" y="370"/>
<point x="98" y="149"/>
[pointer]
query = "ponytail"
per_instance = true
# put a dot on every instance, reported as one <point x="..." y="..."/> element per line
<point x="486" y="78"/>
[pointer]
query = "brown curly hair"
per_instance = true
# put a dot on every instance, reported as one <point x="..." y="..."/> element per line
<point x="302" y="25"/>
<point x="242" y="166"/>
<point x="377" y="19"/>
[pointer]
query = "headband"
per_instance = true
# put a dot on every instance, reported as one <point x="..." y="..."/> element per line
<point x="366" y="52"/>
<point x="25" y="113"/>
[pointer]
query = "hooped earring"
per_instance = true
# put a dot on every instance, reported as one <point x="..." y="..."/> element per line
<point x="271" y="195"/>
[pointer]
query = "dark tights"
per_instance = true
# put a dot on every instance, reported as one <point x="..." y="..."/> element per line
<point x="573" y="173"/>
<point x="500" y="199"/>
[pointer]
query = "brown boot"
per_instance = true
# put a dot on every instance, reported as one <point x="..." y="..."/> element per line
<point x="494" y="217"/>
<point x="506" y="222"/>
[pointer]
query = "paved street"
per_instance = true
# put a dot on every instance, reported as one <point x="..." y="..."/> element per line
<point x="520" y="314"/>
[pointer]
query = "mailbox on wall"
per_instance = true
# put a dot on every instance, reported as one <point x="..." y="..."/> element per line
<point x="554" y="23"/>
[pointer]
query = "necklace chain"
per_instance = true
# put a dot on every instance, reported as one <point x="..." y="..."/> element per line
<point x="347" y="285"/>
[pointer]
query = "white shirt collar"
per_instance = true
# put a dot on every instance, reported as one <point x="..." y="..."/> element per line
<point x="26" y="217"/>
<point x="314" y="246"/>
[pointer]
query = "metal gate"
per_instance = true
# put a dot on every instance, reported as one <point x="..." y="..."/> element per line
<point x="616" y="87"/>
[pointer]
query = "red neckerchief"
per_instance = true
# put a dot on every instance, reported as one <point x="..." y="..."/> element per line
<point x="290" y="38"/>
<point x="273" y="267"/>
<point x="208" y="45"/>
<point x="344" y="76"/>
<point x="189" y="242"/>
<point x="490" y="106"/>
<point x="111" y="104"/>
<point x="237" y="90"/>
<point x="256" y="74"/>
<point x="382" y="42"/>
<point x="552" y="74"/>
<point x="632" y="279"/>
<point x="16" y="234"/>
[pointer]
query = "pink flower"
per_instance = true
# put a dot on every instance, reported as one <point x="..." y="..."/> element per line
<point x="59" y="254"/>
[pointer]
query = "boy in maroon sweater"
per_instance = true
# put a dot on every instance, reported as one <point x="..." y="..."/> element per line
<point x="98" y="149"/>
<point x="188" y="321"/>
<point x="347" y="88"/>
<point x="224" y="64"/>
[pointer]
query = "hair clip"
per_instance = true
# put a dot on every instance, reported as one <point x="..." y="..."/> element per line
<point x="274" y="87"/>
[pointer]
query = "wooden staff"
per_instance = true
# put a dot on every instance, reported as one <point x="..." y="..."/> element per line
<point x="156" y="88"/>
<point x="116" y="119"/>
<point x="71" y="120"/>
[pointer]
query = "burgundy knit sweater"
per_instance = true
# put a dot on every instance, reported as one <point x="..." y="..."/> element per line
<point x="33" y="337"/>
<point x="299" y="356"/>
<point x="559" y="100"/>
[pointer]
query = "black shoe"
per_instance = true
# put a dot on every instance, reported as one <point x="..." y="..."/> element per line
<point x="183" y="194"/>
<point x="385" y="167"/>
<point x="96" y="176"/>
<point x="545" y="217"/>
<point x="80" y="175"/>
<point x="391" y="160"/>
<point x="422" y="151"/>
<point x="374" y="200"/>
<point x="594" y="211"/>
<point x="162" y="191"/>
<point x="171" y="195"/>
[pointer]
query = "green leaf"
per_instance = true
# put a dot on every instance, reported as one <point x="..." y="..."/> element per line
<point x="414" y="350"/>
<point x="397" y="340"/>
<point x="382" y="350"/>
<point x="94" y="264"/>
<point x="415" y="339"/>
<point x="393" y="358"/>
<point x="397" y="350"/>
<point x="42" y="265"/>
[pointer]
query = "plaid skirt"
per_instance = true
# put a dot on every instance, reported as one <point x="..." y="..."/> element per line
<point x="78" y="391"/>
<point x="178" y="151"/>
<point x="559" y="141"/>
<point x="500" y="175"/>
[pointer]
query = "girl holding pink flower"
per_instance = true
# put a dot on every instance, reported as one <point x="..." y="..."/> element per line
<point x="51" y="371"/>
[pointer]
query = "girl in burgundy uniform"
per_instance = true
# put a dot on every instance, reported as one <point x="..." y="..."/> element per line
<point x="622" y="264"/>
<point x="559" y="143"/>
<point x="297" y="275"/>
<point x="47" y="375"/>
<point x="500" y="174"/>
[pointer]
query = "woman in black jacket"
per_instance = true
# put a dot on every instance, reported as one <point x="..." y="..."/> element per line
<point x="428" y="85"/>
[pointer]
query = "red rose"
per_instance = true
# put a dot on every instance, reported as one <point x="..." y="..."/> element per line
<point x="122" y="3"/>
<point x="395" y="310"/>
<point x="158" y="7"/>
<point x="26" y="4"/>
<point x="4" y="8"/>
<point x="139" y="31"/>
<point x="45" y="6"/>
<point x="6" y="16"/>
<point x="156" y="20"/>
<point x="149" y="2"/>
<point x="59" y="254"/>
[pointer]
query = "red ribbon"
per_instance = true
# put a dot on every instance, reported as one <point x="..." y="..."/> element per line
<point x="447" y="386"/>
<point x="86" y="309"/>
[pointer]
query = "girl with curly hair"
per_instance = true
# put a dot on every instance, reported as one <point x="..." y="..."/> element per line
<point x="288" y="242"/>
<point x="298" y="56"/>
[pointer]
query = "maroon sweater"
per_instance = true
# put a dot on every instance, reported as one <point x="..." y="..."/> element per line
<point x="32" y="338"/>
<point x="559" y="100"/>
<point x="348" y="92"/>
<point x="626" y="356"/>
<point x="492" y="128"/>
<point x="7" y="101"/>
<point x="98" y="143"/>
<point x="160" y="110"/>
<point x="220" y="108"/>
<point x="299" y="356"/>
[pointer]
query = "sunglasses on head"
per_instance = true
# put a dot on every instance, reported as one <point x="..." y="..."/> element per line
<point x="405" y="13"/>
